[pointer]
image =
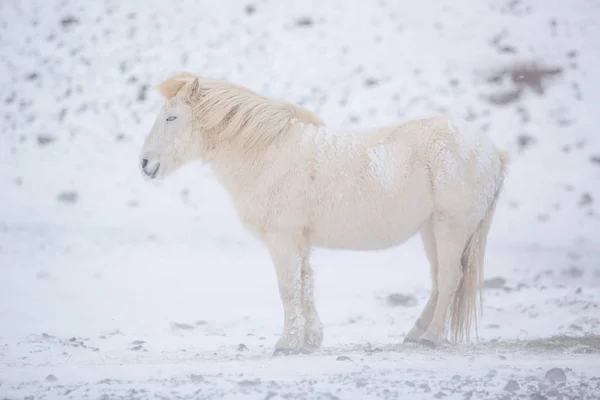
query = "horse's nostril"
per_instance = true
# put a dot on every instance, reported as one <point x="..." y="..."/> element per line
<point x="144" y="162"/>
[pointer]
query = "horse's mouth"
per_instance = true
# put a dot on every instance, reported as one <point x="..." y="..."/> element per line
<point x="151" y="173"/>
<point x="155" y="171"/>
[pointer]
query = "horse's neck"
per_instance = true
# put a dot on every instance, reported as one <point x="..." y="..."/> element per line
<point x="240" y="170"/>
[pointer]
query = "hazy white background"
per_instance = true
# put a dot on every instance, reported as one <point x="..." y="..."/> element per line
<point x="105" y="276"/>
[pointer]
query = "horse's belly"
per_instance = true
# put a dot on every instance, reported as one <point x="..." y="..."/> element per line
<point x="369" y="229"/>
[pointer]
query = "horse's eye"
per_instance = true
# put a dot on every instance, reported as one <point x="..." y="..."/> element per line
<point x="169" y="119"/>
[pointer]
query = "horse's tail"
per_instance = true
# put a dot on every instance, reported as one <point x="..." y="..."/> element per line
<point x="468" y="300"/>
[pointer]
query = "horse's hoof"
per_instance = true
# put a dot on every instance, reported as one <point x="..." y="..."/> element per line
<point x="308" y="350"/>
<point x="410" y="340"/>
<point x="282" y="352"/>
<point x="289" y="352"/>
<point x="427" y="343"/>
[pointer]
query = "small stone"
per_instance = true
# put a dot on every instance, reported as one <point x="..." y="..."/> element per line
<point x="556" y="375"/>
<point x="595" y="159"/>
<point x="361" y="383"/>
<point x="304" y="22"/>
<point x="51" y="378"/>
<point x="495" y="283"/>
<point x="250" y="9"/>
<point x="573" y="271"/>
<point x="492" y="373"/>
<point x="185" y="327"/>
<point x="425" y="387"/>
<point x="401" y="300"/>
<point x="68" y="196"/>
<point x="525" y="141"/>
<point x="43" y="140"/>
<point x="242" y="347"/>
<point x="197" y="378"/>
<point x="246" y="382"/>
<point x="585" y="200"/>
<point x="512" y="386"/>
<point x="69" y="21"/>
<point x="343" y="358"/>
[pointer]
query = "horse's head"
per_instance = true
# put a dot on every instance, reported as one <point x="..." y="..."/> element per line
<point x="174" y="139"/>
<point x="204" y="117"/>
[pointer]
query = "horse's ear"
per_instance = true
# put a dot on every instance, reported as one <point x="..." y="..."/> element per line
<point x="192" y="91"/>
<point x="170" y="87"/>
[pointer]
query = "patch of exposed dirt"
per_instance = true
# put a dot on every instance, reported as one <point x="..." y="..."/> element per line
<point x="521" y="77"/>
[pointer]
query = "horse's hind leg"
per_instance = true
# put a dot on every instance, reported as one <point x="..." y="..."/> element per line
<point x="428" y="237"/>
<point x="450" y="237"/>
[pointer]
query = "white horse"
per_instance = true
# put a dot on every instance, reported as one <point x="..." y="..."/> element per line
<point x="298" y="186"/>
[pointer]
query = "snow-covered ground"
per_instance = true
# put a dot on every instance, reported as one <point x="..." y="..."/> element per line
<point x="114" y="287"/>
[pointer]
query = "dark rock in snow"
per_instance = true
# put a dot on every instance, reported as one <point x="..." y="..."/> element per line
<point x="495" y="283"/>
<point x="511" y="386"/>
<point x="196" y="378"/>
<point x="361" y="383"/>
<point x="425" y="387"/>
<point x="246" y="382"/>
<point x="525" y="141"/>
<point x="343" y="358"/>
<point x="43" y="140"/>
<point x="586" y="199"/>
<point x="68" y="196"/>
<point x="402" y="300"/>
<point x="304" y="22"/>
<point x="573" y="271"/>
<point x="51" y="378"/>
<point x="185" y="327"/>
<point x="69" y="21"/>
<point x="555" y="375"/>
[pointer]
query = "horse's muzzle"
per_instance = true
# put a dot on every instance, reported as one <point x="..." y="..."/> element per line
<point x="149" y="170"/>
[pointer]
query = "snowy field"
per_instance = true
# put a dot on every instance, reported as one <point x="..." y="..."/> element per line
<point x="112" y="287"/>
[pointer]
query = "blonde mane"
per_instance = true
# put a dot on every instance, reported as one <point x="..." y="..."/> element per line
<point x="234" y="114"/>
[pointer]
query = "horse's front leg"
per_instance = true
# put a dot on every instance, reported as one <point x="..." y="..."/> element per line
<point x="313" y="336"/>
<point x="287" y="257"/>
